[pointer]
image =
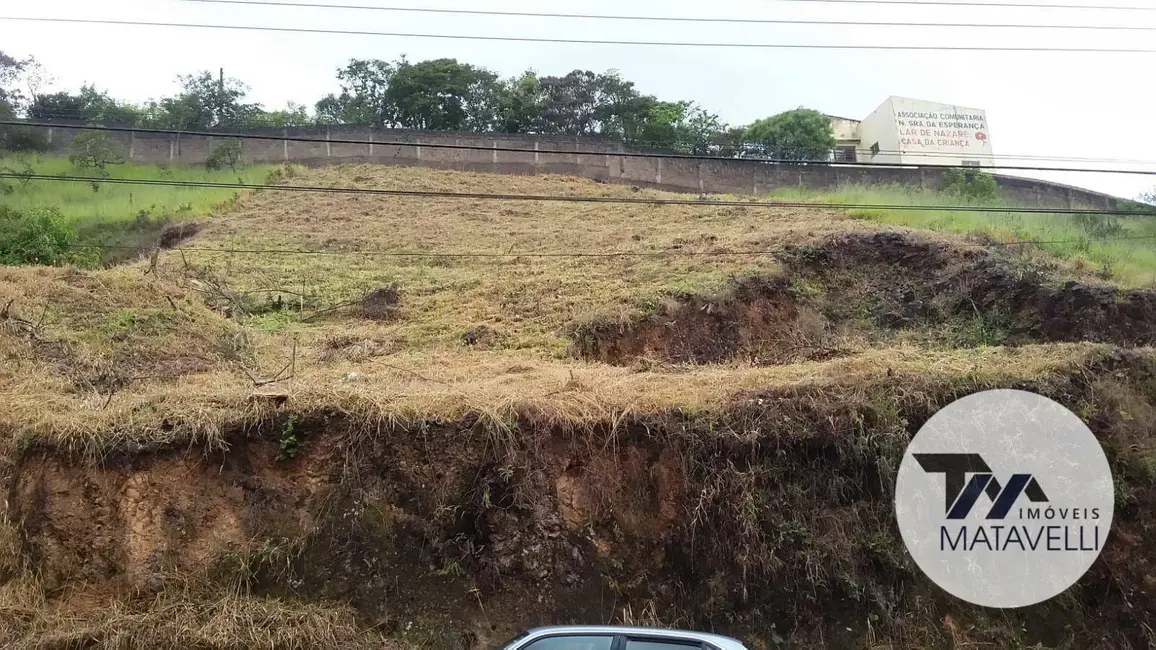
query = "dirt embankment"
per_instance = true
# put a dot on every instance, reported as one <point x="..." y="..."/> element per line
<point x="771" y="522"/>
<point x="871" y="287"/>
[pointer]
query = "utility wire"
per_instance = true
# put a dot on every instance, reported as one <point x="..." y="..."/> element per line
<point x="986" y="156"/>
<point x="965" y="3"/>
<point x="668" y="252"/>
<point x="559" y="152"/>
<point x="569" y="199"/>
<point x="582" y="41"/>
<point x="755" y="21"/>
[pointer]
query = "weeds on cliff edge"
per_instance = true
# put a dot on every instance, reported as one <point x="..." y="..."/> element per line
<point x="1095" y="244"/>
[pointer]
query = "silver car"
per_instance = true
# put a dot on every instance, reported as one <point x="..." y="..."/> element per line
<point x="600" y="637"/>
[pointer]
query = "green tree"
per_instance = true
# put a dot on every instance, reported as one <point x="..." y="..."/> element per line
<point x="101" y="108"/>
<point x="969" y="185"/>
<point x="363" y="99"/>
<point x="60" y="105"/>
<point x="520" y="104"/>
<point x="585" y="103"/>
<point x="729" y="142"/>
<point x="800" y="134"/>
<point x="227" y="154"/>
<point x="11" y="97"/>
<point x="681" y="127"/>
<point x="702" y="129"/>
<point x="205" y="102"/>
<point x="292" y="115"/>
<point x="622" y="110"/>
<point x="443" y="94"/>
<point x="90" y="105"/>
<point x="440" y="94"/>
<point x="1148" y="197"/>
<point x="13" y="73"/>
<point x="330" y="109"/>
<point x="663" y="126"/>
<point x="93" y="149"/>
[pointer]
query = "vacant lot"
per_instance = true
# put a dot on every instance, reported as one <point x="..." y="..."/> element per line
<point x="328" y="419"/>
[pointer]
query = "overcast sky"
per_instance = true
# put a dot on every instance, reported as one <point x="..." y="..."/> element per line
<point x="1040" y="104"/>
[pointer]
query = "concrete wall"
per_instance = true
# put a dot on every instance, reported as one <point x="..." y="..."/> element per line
<point x="597" y="158"/>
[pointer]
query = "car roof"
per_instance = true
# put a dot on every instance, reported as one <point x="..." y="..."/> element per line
<point x="726" y="643"/>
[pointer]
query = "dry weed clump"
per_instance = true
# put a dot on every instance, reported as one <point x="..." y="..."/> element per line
<point x="494" y="387"/>
<point x="179" y="621"/>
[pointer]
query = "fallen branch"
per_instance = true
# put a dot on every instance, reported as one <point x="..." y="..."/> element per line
<point x="33" y="330"/>
<point x="290" y="367"/>
<point x="329" y="310"/>
<point x="410" y="372"/>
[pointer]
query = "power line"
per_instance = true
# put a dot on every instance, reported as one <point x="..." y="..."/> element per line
<point x="668" y="252"/>
<point x="569" y="199"/>
<point x="561" y="152"/>
<point x="676" y="19"/>
<point x="582" y="41"/>
<point x="964" y="3"/>
<point x="986" y="156"/>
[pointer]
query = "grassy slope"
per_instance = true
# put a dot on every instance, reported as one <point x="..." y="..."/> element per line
<point x="101" y="357"/>
<point x="121" y="322"/>
<point x="79" y="202"/>
<point x="1131" y="262"/>
<point x="526" y="298"/>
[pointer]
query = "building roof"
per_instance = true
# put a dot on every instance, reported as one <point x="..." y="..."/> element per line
<point x="930" y="101"/>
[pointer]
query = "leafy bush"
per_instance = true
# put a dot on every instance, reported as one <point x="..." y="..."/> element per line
<point x="24" y="175"/>
<point x="94" y="150"/>
<point x="39" y="236"/>
<point x="227" y="154"/>
<point x="969" y="184"/>
<point x="1099" y="226"/>
<point x="23" y="139"/>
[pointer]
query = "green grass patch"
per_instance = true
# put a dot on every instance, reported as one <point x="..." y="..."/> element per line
<point x="85" y="203"/>
<point x="1094" y="242"/>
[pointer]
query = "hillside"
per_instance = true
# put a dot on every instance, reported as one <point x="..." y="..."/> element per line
<point x="331" y="419"/>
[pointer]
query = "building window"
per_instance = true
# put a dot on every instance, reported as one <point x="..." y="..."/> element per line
<point x="844" y="154"/>
<point x="971" y="163"/>
<point x="875" y="149"/>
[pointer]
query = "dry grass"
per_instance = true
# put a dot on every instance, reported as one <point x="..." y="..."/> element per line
<point x="499" y="387"/>
<point x="135" y="353"/>
<point x="178" y="621"/>
<point x="527" y="299"/>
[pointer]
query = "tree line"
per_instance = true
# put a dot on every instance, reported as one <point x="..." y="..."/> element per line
<point x="438" y="94"/>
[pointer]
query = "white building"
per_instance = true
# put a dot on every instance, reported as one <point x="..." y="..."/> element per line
<point x="913" y="131"/>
